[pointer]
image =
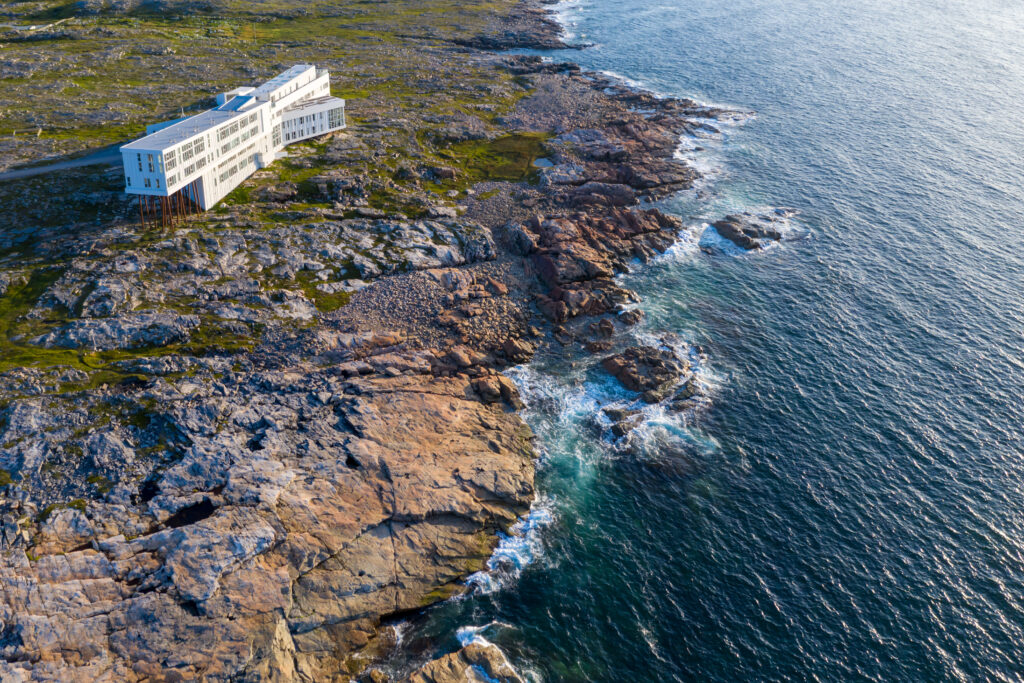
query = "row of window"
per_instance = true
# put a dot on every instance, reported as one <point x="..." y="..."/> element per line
<point x="245" y="153"/>
<point x="227" y="131"/>
<point x="190" y="149"/>
<point x="230" y="145"/>
<point x="200" y="162"/>
<point x="242" y="164"/>
<point x="149" y="161"/>
<point x="336" y="118"/>
<point x="234" y="126"/>
<point x="173" y="180"/>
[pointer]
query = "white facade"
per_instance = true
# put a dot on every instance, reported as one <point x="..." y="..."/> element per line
<point x="208" y="155"/>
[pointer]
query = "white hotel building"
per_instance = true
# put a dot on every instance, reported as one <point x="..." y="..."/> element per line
<point x="204" y="157"/>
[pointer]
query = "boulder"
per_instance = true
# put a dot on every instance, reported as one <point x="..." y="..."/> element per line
<point x="650" y="371"/>
<point x="749" y="231"/>
<point x="478" y="662"/>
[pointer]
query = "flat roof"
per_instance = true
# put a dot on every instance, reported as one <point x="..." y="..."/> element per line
<point x="281" y="79"/>
<point x="304" y="104"/>
<point x="236" y="106"/>
<point x="179" y="132"/>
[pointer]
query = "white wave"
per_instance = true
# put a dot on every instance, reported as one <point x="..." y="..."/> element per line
<point x="400" y="630"/>
<point x="711" y="240"/>
<point x="562" y="399"/>
<point x="663" y="429"/>
<point x="474" y="634"/>
<point x="704" y="149"/>
<point x="516" y="550"/>
<point x="632" y="83"/>
<point x="685" y="246"/>
<point x="783" y="220"/>
<point x="467" y="635"/>
<point x="565" y="14"/>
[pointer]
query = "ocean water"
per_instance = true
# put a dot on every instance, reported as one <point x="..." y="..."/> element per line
<point x="850" y="505"/>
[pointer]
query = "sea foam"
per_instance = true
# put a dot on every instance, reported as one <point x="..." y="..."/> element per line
<point x="516" y="550"/>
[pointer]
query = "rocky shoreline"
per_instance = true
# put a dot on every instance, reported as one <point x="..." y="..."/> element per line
<point x="302" y="431"/>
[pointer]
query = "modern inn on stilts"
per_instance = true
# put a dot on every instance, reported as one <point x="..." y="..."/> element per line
<point x="190" y="164"/>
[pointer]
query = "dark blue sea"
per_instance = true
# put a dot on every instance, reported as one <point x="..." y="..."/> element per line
<point x="851" y="504"/>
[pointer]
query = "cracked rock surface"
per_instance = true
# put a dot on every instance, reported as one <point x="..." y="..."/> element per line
<point x="297" y="518"/>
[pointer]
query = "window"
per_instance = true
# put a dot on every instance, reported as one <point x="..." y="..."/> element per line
<point x="199" y="146"/>
<point x="147" y="182"/>
<point x="158" y="182"/>
<point x="228" y="146"/>
<point x="170" y="160"/>
<point x="277" y="135"/>
<point x="138" y="157"/>
<point x="149" y="159"/>
<point x="336" y="117"/>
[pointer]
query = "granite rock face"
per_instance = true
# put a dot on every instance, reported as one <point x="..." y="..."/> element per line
<point x="308" y="505"/>
<point x="576" y="255"/>
<point x="125" y="332"/>
<point x="475" y="663"/>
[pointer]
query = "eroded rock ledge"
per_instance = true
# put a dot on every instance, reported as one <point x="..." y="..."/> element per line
<point x="308" y="506"/>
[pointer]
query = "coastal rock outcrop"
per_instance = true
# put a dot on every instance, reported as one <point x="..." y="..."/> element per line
<point x="296" y="517"/>
<point x="474" y="663"/>
<point x="651" y="372"/>
<point x="292" y="428"/>
<point x="752" y="231"/>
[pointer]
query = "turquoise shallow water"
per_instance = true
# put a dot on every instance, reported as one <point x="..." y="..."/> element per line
<point x="851" y="506"/>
